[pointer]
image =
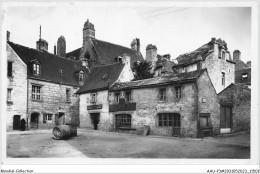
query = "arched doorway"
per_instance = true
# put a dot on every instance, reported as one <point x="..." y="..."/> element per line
<point x="34" y="120"/>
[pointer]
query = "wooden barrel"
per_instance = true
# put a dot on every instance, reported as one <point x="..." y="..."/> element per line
<point x="62" y="132"/>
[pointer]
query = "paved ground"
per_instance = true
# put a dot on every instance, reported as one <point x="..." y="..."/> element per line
<point x="96" y="144"/>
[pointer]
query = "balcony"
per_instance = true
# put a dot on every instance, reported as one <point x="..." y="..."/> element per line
<point x="121" y="106"/>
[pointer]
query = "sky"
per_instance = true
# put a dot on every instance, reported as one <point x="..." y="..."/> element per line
<point x="174" y="30"/>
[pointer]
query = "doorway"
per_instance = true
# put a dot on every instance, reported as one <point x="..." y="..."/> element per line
<point x="95" y="120"/>
<point x="16" y="122"/>
<point x="176" y="125"/>
<point x="35" y="120"/>
<point x="225" y="119"/>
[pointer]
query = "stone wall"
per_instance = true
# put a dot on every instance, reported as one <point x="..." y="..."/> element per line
<point x="53" y="101"/>
<point x="18" y="84"/>
<point x="240" y="97"/>
<point x="149" y="105"/>
<point x="105" y="122"/>
<point x="216" y="66"/>
<point x="208" y="101"/>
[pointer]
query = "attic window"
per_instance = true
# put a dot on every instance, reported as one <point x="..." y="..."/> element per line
<point x="61" y="72"/>
<point x="81" y="76"/>
<point x="36" y="68"/>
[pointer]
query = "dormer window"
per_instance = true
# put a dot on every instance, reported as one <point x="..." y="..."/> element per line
<point x="81" y="76"/>
<point x="36" y="68"/>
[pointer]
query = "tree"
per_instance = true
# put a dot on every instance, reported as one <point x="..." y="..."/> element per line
<point x="142" y="70"/>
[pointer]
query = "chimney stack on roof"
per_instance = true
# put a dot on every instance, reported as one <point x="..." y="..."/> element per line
<point x="126" y="60"/>
<point x="61" y="46"/>
<point x="41" y="44"/>
<point x="88" y="31"/>
<point x="236" y="56"/>
<point x="135" y="44"/>
<point x="248" y="64"/>
<point x="8" y="36"/>
<point x="151" y="55"/>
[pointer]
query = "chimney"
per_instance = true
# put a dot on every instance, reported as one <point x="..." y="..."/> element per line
<point x="126" y="60"/>
<point x="88" y="31"/>
<point x="138" y="44"/>
<point x="54" y="49"/>
<point x="41" y="44"/>
<point x="248" y="64"/>
<point x="8" y="36"/>
<point x="61" y="46"/>
<point x="236" y="56"/>
<point x="151" y="55"/>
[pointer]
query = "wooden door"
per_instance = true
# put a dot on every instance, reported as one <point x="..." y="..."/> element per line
<point x="176" y="126"/>
<point x="16" y="122"/>
<point x="225" y="117"/>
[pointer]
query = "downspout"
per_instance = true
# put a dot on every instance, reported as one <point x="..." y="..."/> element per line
<point x="197" y="108"/>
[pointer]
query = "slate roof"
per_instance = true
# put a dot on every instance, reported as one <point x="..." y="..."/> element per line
<point x="157" y="81"/>
<point x="74" y="54"/>
<point x="99" y="76"/>
<point x="201" y="53"/>
<point x="107" y="52"/>
<point x="165" y="63"/>
<point x="194" y="56"/>
<point x="50" y="65"/>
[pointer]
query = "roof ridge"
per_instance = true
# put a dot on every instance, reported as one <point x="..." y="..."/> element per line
<point x="41" y="51"/>
<point x="114" y="44"/>
<point x="106" y="65"/>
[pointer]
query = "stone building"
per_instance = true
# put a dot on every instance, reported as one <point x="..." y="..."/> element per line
<point x="183" y="104"/>
<point x="94" y="95"/>
<point x="215" y="57"/>
<point x="41" y="87"/>
<point x="97" y="52"/>
<point x="161" y="64"/>
<point x="235" y="103"/>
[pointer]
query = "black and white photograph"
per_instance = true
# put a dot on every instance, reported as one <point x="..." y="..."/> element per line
<point x="130" y="82"/>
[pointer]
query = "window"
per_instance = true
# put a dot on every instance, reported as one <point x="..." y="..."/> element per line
<point x="162" y="95"/>
<point x="10" y="69"/>
<point x="123" y="120"/>
<point x="117" y="96"/>
<point x="36" y="92"/>
<point x="36" y="69"/>
<point x="223" y="55"/>
<point x="244" y="77"/>
<point x="93" y="97"/>
<point x="67" y="94"/>
<point x="178" y="92"/>
<point x="223" y="78"/>
<point x="81" y="76"/>
<point x="165" y="119"/>
<point x="128" y="96"/>
<point x="47" y="118"/>
<point x="9" y="97"/>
